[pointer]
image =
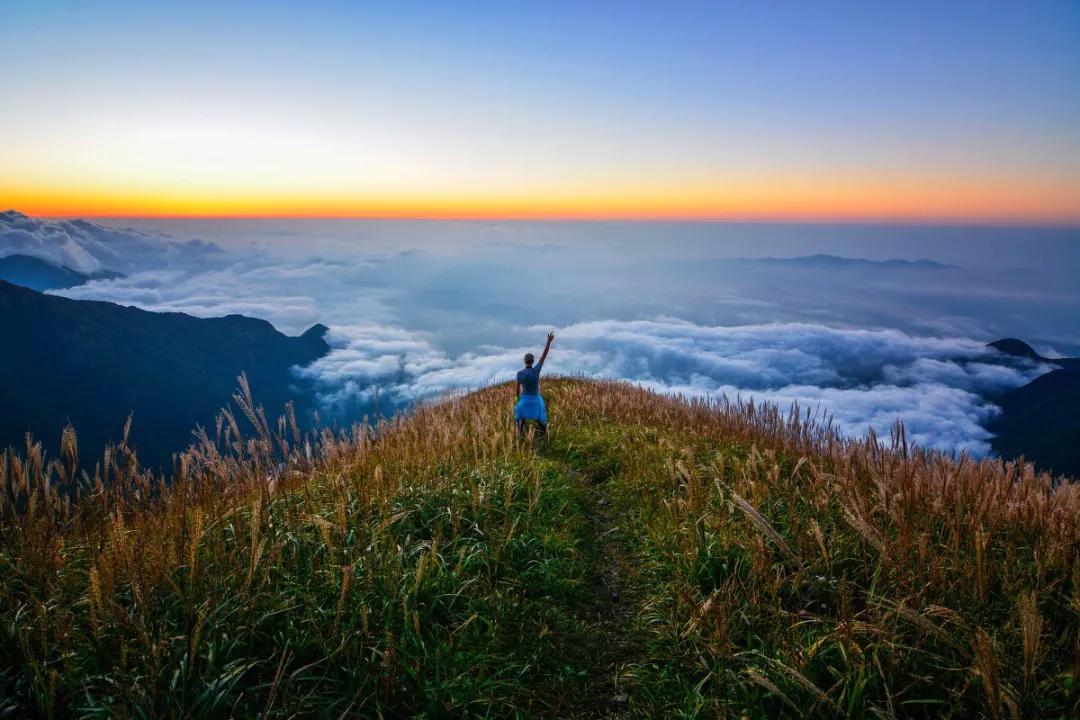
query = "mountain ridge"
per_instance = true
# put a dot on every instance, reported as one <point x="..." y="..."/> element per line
<point x="92" y="363"/>
<point x="1019" y="348"/>
<point x="825" y="260"/>
<point x="1038" y="421"/>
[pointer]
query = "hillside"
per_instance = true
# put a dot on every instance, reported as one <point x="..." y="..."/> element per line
<point x="169" y="370"/>
<point x="1038" y="421"/>
<point x="654" y="558"/>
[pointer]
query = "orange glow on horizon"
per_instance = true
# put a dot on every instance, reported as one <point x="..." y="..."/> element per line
<point x="567" y="213"/>
<point x="785" y="203"/>
<point x="525" y="113"/>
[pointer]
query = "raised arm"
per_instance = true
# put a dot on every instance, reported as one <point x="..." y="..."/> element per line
<point x="547" y="347"/>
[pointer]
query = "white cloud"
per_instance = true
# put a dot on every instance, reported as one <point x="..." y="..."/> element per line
<point x="292" y="296"/>
<point x="88" y="247"/>
<point x="862" y="379"/>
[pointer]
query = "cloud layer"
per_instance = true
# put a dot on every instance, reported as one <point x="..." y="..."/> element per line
<point x="291" y="295"/>
<point x="88" y="247"/>
<point x="861" y="379"/>
<point x="412" y="323"/>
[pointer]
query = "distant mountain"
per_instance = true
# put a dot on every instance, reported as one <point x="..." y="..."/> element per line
<point x="1040" y="420"/>
<point x="1019" y="348"/>
<point x="838" y="262"/>
<point x="38" y="274"/>
<point x="93" y="363"/>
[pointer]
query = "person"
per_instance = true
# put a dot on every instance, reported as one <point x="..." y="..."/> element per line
<point x="530" y="404"/>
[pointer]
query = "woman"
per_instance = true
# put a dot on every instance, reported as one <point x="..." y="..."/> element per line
<point x="530" y="406"/>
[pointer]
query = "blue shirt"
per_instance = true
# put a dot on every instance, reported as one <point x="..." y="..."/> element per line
<point x="529" y="379"/>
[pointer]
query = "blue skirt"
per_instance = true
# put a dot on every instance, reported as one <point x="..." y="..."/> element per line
<point x="530" y="407"/>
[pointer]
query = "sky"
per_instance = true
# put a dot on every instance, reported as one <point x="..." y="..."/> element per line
<point x="935" y="112"/>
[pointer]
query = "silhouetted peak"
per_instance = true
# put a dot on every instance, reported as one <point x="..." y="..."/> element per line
<point x="1018" y="348"/>
<point x="318" y="330"/>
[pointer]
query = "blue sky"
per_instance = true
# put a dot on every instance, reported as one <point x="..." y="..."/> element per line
<point x="805" y="109"/>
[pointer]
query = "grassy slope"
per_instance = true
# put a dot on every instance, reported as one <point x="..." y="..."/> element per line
<point x="654" y="557"/>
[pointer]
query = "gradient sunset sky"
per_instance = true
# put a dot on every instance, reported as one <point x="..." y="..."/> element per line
<point x="936" y="111"/>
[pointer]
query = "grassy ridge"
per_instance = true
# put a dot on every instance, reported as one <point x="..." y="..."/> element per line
<point x="785" y="572"/>
<point x="654" y="557"/>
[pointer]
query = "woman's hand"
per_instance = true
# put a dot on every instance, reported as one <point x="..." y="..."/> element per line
<point x="543" y="355"/>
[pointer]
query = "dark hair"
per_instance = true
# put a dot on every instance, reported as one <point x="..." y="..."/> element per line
<point x="529" y="359"/>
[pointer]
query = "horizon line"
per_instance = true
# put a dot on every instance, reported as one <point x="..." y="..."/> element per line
<point x="928" y="221"/>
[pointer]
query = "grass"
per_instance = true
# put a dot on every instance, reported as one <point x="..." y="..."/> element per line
<point x="655" y="557"/>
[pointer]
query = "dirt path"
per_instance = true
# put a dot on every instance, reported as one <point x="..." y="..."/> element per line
<point x="614" y="642"/>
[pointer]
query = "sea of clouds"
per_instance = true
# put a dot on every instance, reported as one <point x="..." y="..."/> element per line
<point x="858" y="379"/>
<point x="863" y="344"/>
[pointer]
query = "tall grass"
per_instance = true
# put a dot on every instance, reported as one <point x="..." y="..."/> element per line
<point x="788" y="571"/>
<point x="436" y="565"/>
<point x="393" y="570"/>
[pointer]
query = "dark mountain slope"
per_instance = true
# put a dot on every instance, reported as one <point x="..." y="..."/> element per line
<point x="93" y="363"/>
<point x="1041" y="420"/>
<point x="38" y="274"/>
